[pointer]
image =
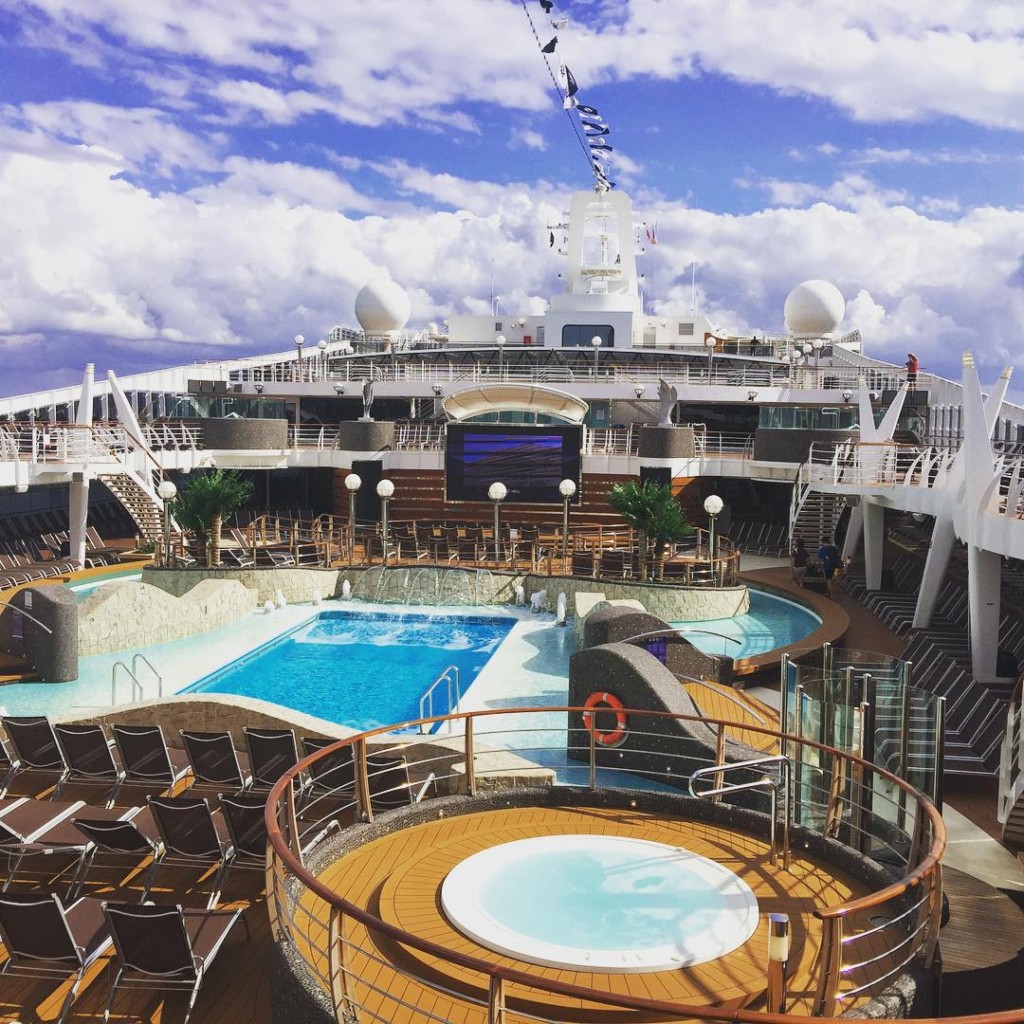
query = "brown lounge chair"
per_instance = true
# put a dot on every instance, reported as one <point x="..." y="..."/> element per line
<point x="147" y="760"/>
<point x="215" y="761"/>
<point x="35" y="746"/>
<point x="165" y="948"/>
<point x="43" y="940"/>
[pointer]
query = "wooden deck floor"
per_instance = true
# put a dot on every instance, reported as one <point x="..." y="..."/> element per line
<point x="399" y="877"/>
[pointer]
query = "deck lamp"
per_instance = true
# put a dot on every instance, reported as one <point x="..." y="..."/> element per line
<point x="258" y="388"/>
<point x="847" y="395"/>
<point x="751" y="395"/>
<point x="596" y="342"/>
<point x="639" y="391"/>
<point x="497" y="492"/>
<point x="322" y="348"/>
<point x="713" y="505"/>
<point x="352" y="484"/>
<point x="299" y="342"/>
<point x="778" y="955"/>
<point x="709" y="344"/>
<point x="500" y="341"/>
<point x="166" y="492"/>
<point x="567" y="488"/>
<point x="385" y="488"/>
<point x="339" y="389"/>
<point x="437" y="389"/>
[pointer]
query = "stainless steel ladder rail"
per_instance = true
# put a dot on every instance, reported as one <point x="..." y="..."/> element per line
<point x="450" y="677"/>
<point x="140" y="657"/>
<point x="137" y="691"/>
<point x="772" y="785"/>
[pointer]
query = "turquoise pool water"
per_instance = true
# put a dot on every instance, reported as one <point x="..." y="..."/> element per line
<point x="363" y="669"/>
<point x="771" y="622"/>
<point x="87" y="589"/>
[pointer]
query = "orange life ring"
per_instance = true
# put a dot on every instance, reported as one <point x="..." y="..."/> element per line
<point x="614" y="737"/>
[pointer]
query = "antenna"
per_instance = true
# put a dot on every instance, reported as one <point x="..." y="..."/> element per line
<point x="693" y="286"/>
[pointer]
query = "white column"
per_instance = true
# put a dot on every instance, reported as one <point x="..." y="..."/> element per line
<point x="854" y="531"/>
<point x="940" y="550"/>
<point x="78" y="512"/>
<point x="874" y="536"/>
<point x="983" y="583"/>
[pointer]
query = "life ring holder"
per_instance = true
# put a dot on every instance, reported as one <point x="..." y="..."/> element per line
<point x="614" y="737"/>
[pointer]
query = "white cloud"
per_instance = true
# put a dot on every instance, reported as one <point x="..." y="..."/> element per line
<point x="529" y="139"/>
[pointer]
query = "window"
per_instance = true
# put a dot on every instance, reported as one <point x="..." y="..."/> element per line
<point x="498" y="326"/>
<point x="686" y="329"/>
<point x="579" y="335"/>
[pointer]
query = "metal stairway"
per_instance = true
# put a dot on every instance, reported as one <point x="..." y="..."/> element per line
<point x="813" y="514"/>
<point x="145" y="508"/>
<point x="1011" y="775"/>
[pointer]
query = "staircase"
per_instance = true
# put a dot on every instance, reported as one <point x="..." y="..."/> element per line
<point x="1011" y="775"/>
<point x="814" y="514"/>
<point x="143" y="507"/>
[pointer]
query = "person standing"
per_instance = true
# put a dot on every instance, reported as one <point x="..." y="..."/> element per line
<point x="830" y="560"/>
<point x="913" y="365"/>
<point x="798" y="559"/>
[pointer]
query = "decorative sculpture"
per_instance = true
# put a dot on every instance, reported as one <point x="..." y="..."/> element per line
<point x="367" y="397"/>
<point x="667" y="396"/>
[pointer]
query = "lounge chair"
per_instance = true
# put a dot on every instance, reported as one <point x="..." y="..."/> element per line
<point x="191" y="836"/>
<point x="245" y="816"/>
<point x="236" y="560"/>
<point x="583" y="563"/>
<point x="45" y="940"/>
<point x="146" y="759"/>
<point x="214" y="760"/>
<point x="134" y="839"/>
<point x="87" y="754"/>
<point x="35" y="746"/>
<point x="333" y="774"/>
<point x="388" y="781"/>
<point x="165" y="948"/>
<point x="271" y="753"/>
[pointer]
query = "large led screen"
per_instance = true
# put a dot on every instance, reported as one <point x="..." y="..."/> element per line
<point x="530" y="461"/>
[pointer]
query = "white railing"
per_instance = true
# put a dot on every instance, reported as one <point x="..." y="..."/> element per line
<point x="719" y="443"/>
<point x="173" y="435"/>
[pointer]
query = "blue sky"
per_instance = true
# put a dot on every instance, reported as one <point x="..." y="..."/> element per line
<point x="186" y="181"/>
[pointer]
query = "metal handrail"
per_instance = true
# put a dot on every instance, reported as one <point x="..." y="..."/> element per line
<point x="136" y="658"/>
<point x="136" y="686"/>
<point x="772" y="785"/>
<point x="449" y="676"/>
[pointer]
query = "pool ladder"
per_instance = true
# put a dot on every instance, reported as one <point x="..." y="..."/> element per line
<point x="133" y="678"/>
<point x="450" y="678"/>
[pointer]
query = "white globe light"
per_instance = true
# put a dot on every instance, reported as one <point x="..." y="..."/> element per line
<point x="353" y="481"/>
<point x="299" y="339"/>
<point x="166" y="490"/>
<point x="709" y="341"/>
<point x="385" y="488"/>
<point x="322" y="345"/>
<point x="500" y="340"/>
<point x="567" y="488"/>
<point x="596" y="341"/>
<point x="713" y="504"/>
<point x="497" y="491"/>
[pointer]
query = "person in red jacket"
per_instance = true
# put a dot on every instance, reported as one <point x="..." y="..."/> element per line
<point x="913" y="365"/>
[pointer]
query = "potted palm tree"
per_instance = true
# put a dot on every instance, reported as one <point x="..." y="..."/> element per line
<point x="652" y="511"/>
<point x="203" y="505"/>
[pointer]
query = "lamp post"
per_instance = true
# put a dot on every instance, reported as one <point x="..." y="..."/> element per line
<point x="596" y="342"/>
<point x="500" y="341"/>
<point x="497" y="492"/>
<point x="322" y="347"/>
<point x="166" y="492"/>
<point x="567" y="488"/>
<point x="299" y="342"/>
<point x="778" y="956"/>
<point x="352" y="484"/>
<point x="709" y="344"/>
<point x="713" y="504"/>
<point x="385" y="488"/>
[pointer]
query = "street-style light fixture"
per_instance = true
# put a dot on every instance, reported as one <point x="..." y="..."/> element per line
<point x="497" y="493"/>
<point x="437" y="389"/>
<point x="352" y="484"/>
<point x="713" y="505"/>
<point x="709" y="344"/>
<point x="500" y="341"/>
<point x="385" y="488"/>
<point x="596" y="342"/>
<point x="166" y="491"/>
<point x="638" y="390"/>
<point x="567" y="488"/>
<point x="847" y="395"/>
<point x="299" y="342"/>
<point x="322" y="348"/>
<point x="778" y="956"/>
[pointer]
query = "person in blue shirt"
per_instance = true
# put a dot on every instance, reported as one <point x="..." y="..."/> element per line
<point x="829" y="559"/>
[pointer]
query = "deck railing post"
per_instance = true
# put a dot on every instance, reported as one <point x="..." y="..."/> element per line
<point x="934" y="916"/>
<point x="901" y="805"/>
<point x="940" y="751"/>
<point x="361" y="771"/>
<point x="470" y="759"/>
<point x="293" y="823"/>
<point x="344" y="1008"/>
<point x="592" y="733"/>
<point x="719" y="778"/>
<point x="784" y="693"/>
<point x="831" y="966"/>
<point x="496" y="1000"/>
<point x="798" y="783"/>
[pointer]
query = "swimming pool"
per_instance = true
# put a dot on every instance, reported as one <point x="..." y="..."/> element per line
<point x="363" y="669"/>
<point x="771" y="622"/>
<point x="88" y="588"/>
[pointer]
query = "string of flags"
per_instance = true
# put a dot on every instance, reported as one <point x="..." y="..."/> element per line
<point x="591" y="128"/>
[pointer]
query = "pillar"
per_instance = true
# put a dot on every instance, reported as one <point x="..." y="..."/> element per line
<point x="78" y="513"/>
<point x="984" y="578"/>
<point x="854" y="531"/>
<point x="874" y="537"/>
<point x="940" y="550"/>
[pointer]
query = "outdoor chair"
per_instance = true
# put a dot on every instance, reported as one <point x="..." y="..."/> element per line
<point x="236" y="559"/>
<point x="192" y="836"/>
<point x="7" y="768"/>
<point x="245" y="816"/>
<point x="214" y="760"/>
<point x="331" y="774"/>
<point x="389" y="785"/>
<point x="46" y="941"/>
<point x="165" y="948"/>
<point x="35" y="746"/>
<point x="583" y="563"/>
<point x="146" y="759"/>
<point x="87" y="754"/>
<point x="615" y="564"/>
<point x="135" y="839"/>
<point x="271" y="753"/>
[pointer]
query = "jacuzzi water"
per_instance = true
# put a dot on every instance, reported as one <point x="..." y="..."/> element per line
<point x="84" y="590"/>
<point x="771" y="622"/>
<point x="610" y="904"/>
<point x="363" y="669"/>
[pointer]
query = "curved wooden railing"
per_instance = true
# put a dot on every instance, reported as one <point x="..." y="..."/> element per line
<point x="866" y="942"/>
